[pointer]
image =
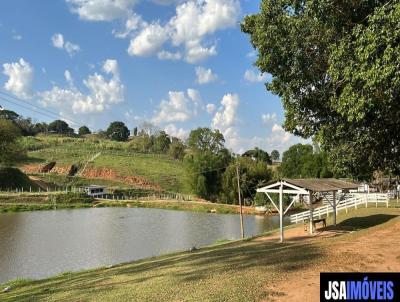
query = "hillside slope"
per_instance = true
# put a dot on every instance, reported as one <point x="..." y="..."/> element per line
<point x="115" y="163"/>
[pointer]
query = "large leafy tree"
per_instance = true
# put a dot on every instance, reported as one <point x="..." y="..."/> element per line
<point x="300" y="161"/>
<point x="83" y="130"/>
<point x="252" y="174"/>
<point x="60" y="127"/>
<point x="275" y="155"/>
<point x="117" y="131"/>
<point x="258" y="155"/>
<point x="335" y="66"/>
<point x="206" y="162"/>
<point x="10" y="149"/>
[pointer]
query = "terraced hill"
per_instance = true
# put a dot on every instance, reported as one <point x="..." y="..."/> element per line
<point x="103" y="162"/>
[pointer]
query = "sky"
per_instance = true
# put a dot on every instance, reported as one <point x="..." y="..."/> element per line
<point x="179" y="64"/>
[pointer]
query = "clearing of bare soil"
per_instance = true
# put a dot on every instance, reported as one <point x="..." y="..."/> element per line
<point x="371" y="250"/>
<point x="101" y="173"/>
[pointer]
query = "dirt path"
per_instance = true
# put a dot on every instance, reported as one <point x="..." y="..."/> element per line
<point x="369" y="251"/>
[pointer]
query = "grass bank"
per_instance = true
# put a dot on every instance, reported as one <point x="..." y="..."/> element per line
<point x="237" y="271"/>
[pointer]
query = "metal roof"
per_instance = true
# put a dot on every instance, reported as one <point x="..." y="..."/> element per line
<point x="322" y="184"/>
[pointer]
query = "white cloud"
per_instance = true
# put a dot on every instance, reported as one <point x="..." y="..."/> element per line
<point x="20" y="76"/>
<point x="102" y="94"/>
<point x="148" y="41"/>
<point x="204" y="75"/>
<point x="101" y="10"/>
<point x="225" y="119"/>
<point x="175" y="109"/>
<point x="68" y="78"/>
<point x="132" y="23"/>
<point x="59" y="42"/>
<point x="254" y="77"/>
<point x="180" y="133"/>
<point x="193" y="22"/>
<point x="166" y="55"/>
<point x="277" y="128"/>
<point x="211" y="108"/>
<point x="180" y="107"/>
<point x="269" y="118"/>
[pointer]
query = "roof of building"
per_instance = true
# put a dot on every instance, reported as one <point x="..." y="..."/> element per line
<point x="322" y="184"/>
<point x="94" y="187"/>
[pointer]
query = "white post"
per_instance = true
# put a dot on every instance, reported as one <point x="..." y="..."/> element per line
<point x="311" y="214"/>
<point x="334" y="207"/>
<point x="281" y="210"/>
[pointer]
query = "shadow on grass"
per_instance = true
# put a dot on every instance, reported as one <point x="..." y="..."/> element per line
<point x="359" y="223"/>
<point x="185" y="269"/>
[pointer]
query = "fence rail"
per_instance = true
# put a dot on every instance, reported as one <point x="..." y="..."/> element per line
<point x="354" y="201"/>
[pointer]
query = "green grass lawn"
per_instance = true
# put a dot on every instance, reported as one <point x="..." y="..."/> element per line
<point x="159" y="169"/>
<point x="237" y="271"/>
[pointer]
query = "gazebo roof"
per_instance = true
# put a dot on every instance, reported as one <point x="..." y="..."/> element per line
<point x="308" y="185"/>
<point x="322" y="184"/>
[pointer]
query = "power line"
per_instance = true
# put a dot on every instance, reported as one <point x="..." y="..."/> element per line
<point x="45" y="112"/>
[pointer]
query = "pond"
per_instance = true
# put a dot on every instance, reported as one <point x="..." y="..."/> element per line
<point x="45" y="243"/>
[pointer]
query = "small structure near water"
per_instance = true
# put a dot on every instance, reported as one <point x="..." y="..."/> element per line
<point x="95" y="191"/>
<point x="306" y="187"/>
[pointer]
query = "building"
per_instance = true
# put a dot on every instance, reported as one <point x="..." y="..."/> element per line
<point x="94" y="190"/>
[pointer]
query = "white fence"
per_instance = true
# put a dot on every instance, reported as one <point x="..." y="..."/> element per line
<point x="354" y="201"/>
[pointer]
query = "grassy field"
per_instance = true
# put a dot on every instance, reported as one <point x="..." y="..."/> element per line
<point x="159" y="169"/>
<point x="237" y="271"/>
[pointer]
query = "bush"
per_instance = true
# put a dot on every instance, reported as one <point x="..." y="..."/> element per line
<point x="72" y="198"/>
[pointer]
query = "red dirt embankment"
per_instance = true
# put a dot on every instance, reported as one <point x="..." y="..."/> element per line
<point x="102" y="173"/>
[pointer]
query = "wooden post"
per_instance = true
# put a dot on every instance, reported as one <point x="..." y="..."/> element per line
<point x="281" y="211"/>
<point x="334" y="207"/>
<point x="240" y="204"/>
<point x="311" y="214"/>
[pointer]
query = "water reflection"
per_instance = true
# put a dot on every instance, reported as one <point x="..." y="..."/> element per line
<point x="41" y="244"/>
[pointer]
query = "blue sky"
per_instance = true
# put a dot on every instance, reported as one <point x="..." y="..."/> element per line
<point x="178" y="64"/>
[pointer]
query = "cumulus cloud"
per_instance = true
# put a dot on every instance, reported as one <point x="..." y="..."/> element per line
<point x="192" y="23"/>
<point x="204" y="75"/>
<point x="269" y="118"/>
<point x="101" y="10"/>
<point x="180" y="133"/>
<point x="225" y="119"/>
<point x="253" y="77"/>
<point x="58" y="42"/>
<point x="20" y="76"/>
<point x="148" y="41"/>
<point x="103" y="93"/>
<point x="210" y="108"/>
<point x="179" y="107"/>
<point x="166" y="55"/>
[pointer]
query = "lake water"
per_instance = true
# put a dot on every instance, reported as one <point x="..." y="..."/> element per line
<point x="44" y="243"/>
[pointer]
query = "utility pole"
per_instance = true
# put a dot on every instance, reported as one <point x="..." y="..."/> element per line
<point x="240" y="203"/>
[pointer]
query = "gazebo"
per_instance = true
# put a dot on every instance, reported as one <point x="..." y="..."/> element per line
<point x="307" y="187"/>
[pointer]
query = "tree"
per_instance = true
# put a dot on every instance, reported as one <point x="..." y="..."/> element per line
<point x="275" y="155"/>
<point x="299" y="161"/>
<point x="252" y="174"/>
<point x="205" y="139"/>
<point x="335" y="66"/>
<point x="162" y="142"/>
<point x="117" y="131"/>
<point x="10" y="149"/>
<point x="206" y="162"/>
<point x="135" y="131"/>
<point x="83" y="130"/>
<point x="258" y="155"/>
<point x="60" y="127"/>
<point x="176" y="149"/>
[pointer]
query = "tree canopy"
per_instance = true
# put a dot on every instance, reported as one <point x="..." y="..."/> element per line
<point x="10" y="149"/>
<point x="83" y="130"/>
<point x="117" y="131"/>
<point x="258" y="155"/>
<point x="275" y="156"/>
<point x="335" y="66"/>
<point x="300" y="161"/>
<point x="60" y="127"/>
